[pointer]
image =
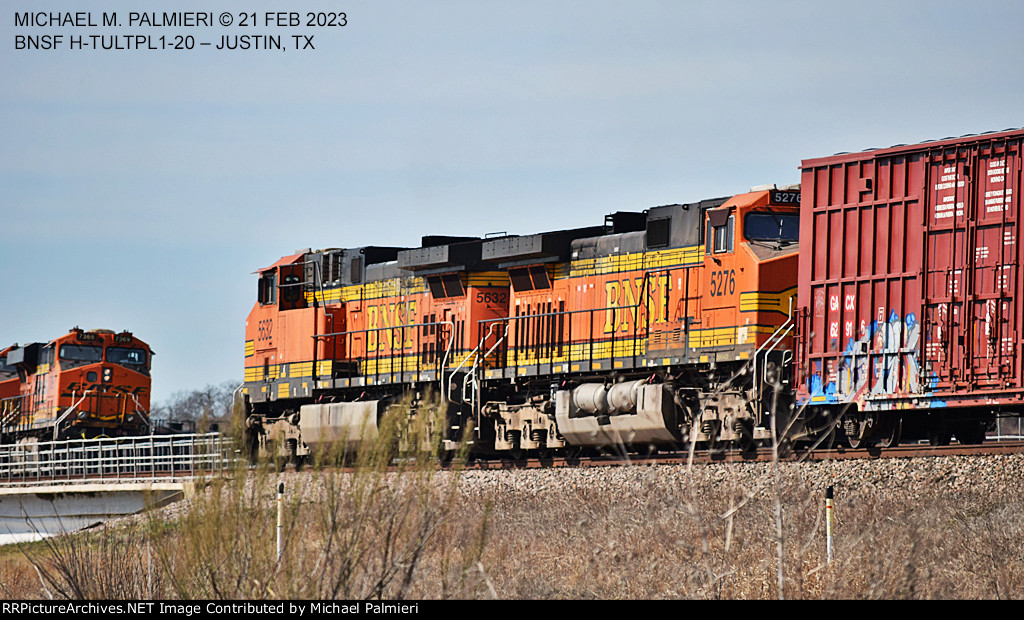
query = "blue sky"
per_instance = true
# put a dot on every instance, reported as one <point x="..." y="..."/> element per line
<point x="140" y="189"/>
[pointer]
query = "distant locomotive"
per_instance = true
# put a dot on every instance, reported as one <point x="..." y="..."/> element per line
<point x="85" y="384"/>
<point x="704" y="322"/>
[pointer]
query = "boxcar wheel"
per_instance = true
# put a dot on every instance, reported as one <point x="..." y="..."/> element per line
<point x="858" y="443"/>
<point x="889" y="433"/>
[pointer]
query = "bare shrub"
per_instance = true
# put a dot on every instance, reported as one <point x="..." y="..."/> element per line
<point x="105" y="564"/>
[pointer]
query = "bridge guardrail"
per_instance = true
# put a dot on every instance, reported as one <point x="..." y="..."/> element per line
<point x="149" y="457"/>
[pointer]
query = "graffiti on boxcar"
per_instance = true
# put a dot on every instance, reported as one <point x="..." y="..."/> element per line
<point x="886" y="353"/>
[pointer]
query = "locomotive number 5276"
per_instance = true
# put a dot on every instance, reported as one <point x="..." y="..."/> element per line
<point x="723" y="282"/>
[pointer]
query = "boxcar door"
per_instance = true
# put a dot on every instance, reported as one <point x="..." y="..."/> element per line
<point x="947" y="266"/>
<point x="972" y="310"/>
<point x="994" y="301"/>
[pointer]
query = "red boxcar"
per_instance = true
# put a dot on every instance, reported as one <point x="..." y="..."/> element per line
<point x="909" y="314"/>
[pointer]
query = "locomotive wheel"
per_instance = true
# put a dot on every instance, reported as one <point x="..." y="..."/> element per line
<point x="939" y="437"/>
<point x="252" y="448"/>
<point x="745" y="443"/>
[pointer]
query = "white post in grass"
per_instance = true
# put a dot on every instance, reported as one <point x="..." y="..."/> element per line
<point x="280" y="519"/>
<point x="828" y="521"/>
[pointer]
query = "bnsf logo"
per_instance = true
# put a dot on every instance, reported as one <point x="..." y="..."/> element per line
<point x="77" y="389"/>
<point x="626" y="294"/>
<point x="389" y="317"/>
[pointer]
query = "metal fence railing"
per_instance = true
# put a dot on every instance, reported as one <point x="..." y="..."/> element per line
<point x="151" y="457"/>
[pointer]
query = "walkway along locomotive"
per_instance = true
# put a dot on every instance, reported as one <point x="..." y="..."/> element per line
<point x="702" y="322"/>
<point x="82" y="385"/>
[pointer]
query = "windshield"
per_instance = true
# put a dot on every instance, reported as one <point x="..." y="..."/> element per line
<point x="767" y="226"/>
<point x="81" y="353"/>
<point x="126" y="357"/>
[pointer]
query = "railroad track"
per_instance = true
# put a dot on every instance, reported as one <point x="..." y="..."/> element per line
<point x="760" y="455"/>
<point x="140" y="474"/>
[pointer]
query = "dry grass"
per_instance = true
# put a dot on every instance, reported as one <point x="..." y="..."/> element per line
<point x="360" y="535"/>
<point x="371" y="534"/>
<point x="675" y="541"/>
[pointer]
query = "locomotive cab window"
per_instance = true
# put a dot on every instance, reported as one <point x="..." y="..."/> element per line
<point x="72" y="355"/>
<point x="721" y="225"/>
<point x="267" y="293"/>
<point x="131" y="357"/>
<point x="291" y="285"/>
<point x="46" y="355"/>
<point x="769" y="226"/>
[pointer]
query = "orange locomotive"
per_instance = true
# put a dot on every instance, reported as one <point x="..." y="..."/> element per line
<point x="655" y="328"/>
<point x="85" y="384"/>
<point x="336" y="334"/>
<point x="652" y="337"/>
